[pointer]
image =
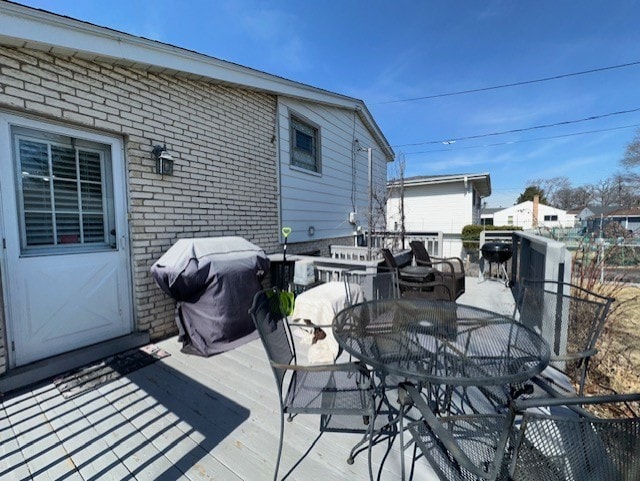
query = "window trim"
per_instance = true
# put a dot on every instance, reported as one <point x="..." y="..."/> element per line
<point x="50" y="139"/>
<point x="295" y="118"/>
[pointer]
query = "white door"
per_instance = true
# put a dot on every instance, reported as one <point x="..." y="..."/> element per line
<point x="67" y="270"/>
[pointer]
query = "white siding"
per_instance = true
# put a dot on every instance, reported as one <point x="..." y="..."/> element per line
<point x="440" y="207"/>
<point x="324" y="200"/>
<point x="522" y="216"/>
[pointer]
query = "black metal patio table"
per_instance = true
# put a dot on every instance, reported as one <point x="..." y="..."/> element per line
<point x="440" y="344"/>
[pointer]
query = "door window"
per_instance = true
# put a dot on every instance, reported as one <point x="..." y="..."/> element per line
<point x="65" y="193"/>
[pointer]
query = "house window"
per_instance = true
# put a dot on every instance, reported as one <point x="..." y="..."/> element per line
<point x="550" y="217"/>
<point x="65" y="193"/>
<point x="510" y="220"/>
<point x="304" y="145"/>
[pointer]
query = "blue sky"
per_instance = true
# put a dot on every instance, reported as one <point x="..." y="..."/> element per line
<point x="384" y="51"/>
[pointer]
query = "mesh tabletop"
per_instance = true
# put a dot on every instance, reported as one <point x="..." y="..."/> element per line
<point x="441" y="342"/>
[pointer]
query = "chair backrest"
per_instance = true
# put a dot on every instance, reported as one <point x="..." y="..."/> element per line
<point x="389" y="260"/>
<point x="269" y="317"/>
<point x="437" y="290"/>
<point x="376" y="285"/>
<point x="569" y="317"/>
<point x="570" y="443"/>
<point x="420" y="252"/>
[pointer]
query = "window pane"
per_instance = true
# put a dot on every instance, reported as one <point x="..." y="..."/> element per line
<point x="39" y="229"/>
<point x="65" y="195"/>
<point x="64" y="162"/>
<point x="90" y="168"/>
<point x="34" y="158"/>
<point x="68" y="226"/>
<point x="91" y="197"/>
<point x="35" y="193"/>
<point x="302" y="160"/>
<point x="93" y="226"/>
<point x="66" y="192"/>
<point x="304" y="142"/>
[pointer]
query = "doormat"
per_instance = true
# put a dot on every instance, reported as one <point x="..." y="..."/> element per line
<point x="87" y="378"/>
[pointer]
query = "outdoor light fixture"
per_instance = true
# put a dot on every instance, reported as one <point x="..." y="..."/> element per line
<point x="164" y="161"/>
<point x="311" y="231"/>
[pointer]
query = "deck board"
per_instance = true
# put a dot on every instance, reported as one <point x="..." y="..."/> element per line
<point x="185" y="417"/>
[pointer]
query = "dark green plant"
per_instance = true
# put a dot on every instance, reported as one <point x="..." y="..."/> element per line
<point x="471" y="233"/>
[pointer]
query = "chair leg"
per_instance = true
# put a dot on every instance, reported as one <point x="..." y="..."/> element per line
<point x="275" y="474"/>
<point x="368" y="434"/>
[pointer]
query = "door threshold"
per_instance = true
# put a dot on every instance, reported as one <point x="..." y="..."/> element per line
<point x="52" y="366"/>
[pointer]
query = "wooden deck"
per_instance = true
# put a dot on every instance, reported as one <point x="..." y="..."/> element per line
<point x="183" y="417"/>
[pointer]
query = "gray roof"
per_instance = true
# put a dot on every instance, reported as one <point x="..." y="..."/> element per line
<point x="490" y="210"/>
<point x="482" y="181"/>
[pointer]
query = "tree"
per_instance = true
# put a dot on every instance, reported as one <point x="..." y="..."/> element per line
<point x="605" y="192"/>
<point x="530" y="192"/>
<point x="560" y="193"/>
<point x="554" y="188"/>
<point x="582" y="196"/>
<point x="396" y="189"/>
<point x="632" y="153"/>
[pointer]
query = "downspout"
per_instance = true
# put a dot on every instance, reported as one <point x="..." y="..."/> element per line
<point x="278" y="166"/>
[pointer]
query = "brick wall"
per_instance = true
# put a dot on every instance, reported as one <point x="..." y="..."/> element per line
<point x="222" y="138"/>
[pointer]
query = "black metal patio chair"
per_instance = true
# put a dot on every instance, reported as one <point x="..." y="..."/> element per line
<point x="452" y="268"/>
<point x="376" y="285"/>
<point x="563" y="439"/>
<point x="570" y="318"/>
<point x="342" y="394"/>
<point x="437" y="287"/>
<point x="544" y="439"/>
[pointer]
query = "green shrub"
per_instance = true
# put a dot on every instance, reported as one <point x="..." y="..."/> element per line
<point x="471" y="233"/>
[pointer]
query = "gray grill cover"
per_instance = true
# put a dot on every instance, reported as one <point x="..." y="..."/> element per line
<point x="213" y="280"/>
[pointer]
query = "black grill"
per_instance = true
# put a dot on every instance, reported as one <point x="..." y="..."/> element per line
<point x="497" y="252"/>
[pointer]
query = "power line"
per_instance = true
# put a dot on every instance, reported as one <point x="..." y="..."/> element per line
<point x="514" y="84"/>
<point x="497" y="144"/>
<point x="524" y="129"/>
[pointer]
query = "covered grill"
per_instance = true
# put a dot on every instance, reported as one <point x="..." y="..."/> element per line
<point x="213" y="281"/>
<point x="497" y="253"/>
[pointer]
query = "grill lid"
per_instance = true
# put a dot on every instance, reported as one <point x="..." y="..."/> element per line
<point x="497" y="251"/>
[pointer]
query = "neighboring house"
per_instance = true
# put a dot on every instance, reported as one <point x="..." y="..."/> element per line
<point x="84" y="212"/>
<point x="486" y="215"/>
<point x="577" y="213"/>
<point x="584" y="214"/>
<point x="627" y="217"/>
<point x="443" y="203"/>
<point x="524" y="215"/>
<point x="591" y="217"/>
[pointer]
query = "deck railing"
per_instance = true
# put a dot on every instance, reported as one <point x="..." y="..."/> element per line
<point x="534" y="256"/>
<point x="352" y="253"/>
<point x="390" y="240"/>
<point x="537" y="257"/>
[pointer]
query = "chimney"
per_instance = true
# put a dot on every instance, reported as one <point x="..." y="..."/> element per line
<point x="536" y="203"/>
